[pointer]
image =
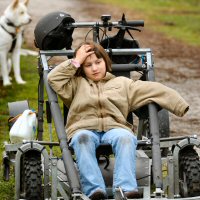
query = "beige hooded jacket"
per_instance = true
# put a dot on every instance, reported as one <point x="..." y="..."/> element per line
<point x="106" y="104"/>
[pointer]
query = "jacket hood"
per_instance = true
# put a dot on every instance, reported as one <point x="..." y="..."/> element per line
<point x="108" y="76"/>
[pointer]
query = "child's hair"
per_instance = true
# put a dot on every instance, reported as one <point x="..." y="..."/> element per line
<point x="99" y="52"/>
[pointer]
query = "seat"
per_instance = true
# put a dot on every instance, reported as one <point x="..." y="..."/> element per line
<point x="105" y="150"/>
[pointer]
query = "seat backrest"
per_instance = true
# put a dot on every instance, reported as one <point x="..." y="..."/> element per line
<point x="17" y="107"/>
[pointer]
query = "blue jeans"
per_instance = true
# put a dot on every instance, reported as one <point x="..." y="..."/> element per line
<point x="123" y="142"/>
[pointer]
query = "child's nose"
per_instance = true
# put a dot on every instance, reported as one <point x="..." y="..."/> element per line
<point x="94" y="67"/>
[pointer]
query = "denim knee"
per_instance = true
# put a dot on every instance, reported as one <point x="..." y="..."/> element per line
<point x="83" y="138"/>
<point x="120" y="135"/>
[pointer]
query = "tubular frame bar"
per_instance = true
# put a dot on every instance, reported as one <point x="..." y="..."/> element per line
<point x="60" y="129"/>
<point x="40" y="103"/>
<point x="154" y="129"/>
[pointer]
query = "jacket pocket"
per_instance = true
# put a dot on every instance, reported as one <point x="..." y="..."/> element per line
<point x="124" y="122"/>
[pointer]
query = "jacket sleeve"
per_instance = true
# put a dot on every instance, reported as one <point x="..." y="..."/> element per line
<point x="63" y="81"/>
<point x="141" y="93"/>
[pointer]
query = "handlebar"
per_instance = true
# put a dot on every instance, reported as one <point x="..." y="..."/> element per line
<point x="134" y="23"/>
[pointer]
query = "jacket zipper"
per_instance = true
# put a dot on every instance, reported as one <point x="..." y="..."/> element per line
<point x="100" y="106"/>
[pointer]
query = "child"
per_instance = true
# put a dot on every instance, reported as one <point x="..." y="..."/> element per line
<point x="99" y="104"/>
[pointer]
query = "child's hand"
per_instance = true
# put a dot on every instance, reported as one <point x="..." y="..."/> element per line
<point x="82" y="53"/>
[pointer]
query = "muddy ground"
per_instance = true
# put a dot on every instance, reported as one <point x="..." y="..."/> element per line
<point x="176" y="64"/>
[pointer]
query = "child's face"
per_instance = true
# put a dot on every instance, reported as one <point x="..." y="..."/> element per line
<point x="94" y="68"/>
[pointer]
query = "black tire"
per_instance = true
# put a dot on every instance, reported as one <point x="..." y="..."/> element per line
<point x="164" y="129"/>
<point x="32" y="172"/>
<point x="163" y="118"/>
<point x="189" y="173"/>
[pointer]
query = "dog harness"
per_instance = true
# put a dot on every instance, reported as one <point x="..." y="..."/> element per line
<point x="14" y="39"/>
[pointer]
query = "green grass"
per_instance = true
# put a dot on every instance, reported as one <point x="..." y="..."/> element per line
<point x="12" y="93"/>
<point x="179" y="19"/>
<point x="7" y="188"/>
<point x="16" y="92"/>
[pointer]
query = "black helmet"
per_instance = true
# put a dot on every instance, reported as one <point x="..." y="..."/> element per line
<point x="52" y="33"/>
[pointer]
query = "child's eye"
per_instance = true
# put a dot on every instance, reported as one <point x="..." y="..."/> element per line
<point x="98" y="62"/>
<point x="87" y="65"/>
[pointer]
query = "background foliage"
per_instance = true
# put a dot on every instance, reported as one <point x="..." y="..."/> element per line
<point x="179" y="19"/>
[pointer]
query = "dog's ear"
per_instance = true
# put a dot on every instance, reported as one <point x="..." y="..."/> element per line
<point x="26" y="2"/>
<point x="15" y="3"/>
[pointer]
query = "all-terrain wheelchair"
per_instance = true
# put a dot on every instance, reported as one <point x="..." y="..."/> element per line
<point x="167" y="167"/>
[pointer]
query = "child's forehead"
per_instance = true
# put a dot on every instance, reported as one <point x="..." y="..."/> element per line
<point x="92" y="58"/>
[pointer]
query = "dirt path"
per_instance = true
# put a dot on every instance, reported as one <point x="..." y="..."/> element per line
<point x="176" y="64"/>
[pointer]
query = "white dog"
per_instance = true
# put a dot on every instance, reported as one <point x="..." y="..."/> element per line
<point x="11" y="29"/>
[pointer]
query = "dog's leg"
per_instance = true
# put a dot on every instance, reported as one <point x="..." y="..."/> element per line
<point x="4" y="69"/>
<point x="9" y="65"/>
<point x="16" y="61"/>
<point x="9" y="61"/>
<point x="16" y="67"/>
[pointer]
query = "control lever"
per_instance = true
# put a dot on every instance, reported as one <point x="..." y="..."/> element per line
<point x="119" y="195"/>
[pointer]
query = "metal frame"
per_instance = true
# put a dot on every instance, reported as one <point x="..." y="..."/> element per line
<point x="156" y="142"/>
<point x="70" y="187"/>
<point x="56" y="112"/>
